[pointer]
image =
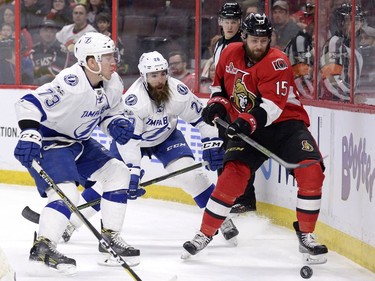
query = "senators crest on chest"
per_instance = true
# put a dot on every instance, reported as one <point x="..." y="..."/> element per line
<point x="242" y="98"/>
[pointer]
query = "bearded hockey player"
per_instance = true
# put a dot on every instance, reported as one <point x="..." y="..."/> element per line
<point x="254" y="84"/>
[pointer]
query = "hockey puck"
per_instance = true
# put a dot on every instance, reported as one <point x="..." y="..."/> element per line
<point x="306" y="272"/>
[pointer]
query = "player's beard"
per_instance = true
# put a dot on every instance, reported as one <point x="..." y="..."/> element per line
<point x="159" y="95"/>
<point x="256" y="57"/>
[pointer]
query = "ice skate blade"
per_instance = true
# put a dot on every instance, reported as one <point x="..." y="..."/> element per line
<point x="233" y="241"/>
<point x="185" y="255"/>
<point x="314" y="259"/>
<point x="109" y="260"/>
<point x="40" y="269"/>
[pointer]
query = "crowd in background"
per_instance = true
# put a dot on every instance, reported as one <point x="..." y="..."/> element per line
<point x="49" y="29"/>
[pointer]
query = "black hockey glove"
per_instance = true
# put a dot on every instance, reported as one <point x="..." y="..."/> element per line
<point x="216" y="107"/>
<point x="240" y="125"/>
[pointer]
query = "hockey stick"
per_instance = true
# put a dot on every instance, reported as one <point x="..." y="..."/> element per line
<point x="33" y="216"/>
<point x="75" y="210"/>
<point x="265" y="151"/>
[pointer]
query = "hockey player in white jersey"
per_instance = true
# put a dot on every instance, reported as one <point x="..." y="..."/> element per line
<point x="57" y="120"/>
<point x="154" y="102"/>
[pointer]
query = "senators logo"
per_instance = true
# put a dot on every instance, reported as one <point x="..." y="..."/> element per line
<point x="243" y="99"/>
<point x="306" y="146"/>
<point x="279" y="64"/>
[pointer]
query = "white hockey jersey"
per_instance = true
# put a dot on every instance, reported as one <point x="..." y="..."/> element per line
<point x="154" y="124"/>
<point x="69" y="108"/>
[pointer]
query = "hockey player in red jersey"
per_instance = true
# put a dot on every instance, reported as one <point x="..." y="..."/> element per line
<point x="254" y="84"/>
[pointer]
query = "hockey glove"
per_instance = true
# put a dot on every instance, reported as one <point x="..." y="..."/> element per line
<point x="213" y="153"/>
<point x="28" y="147"/>
<point x="216" y="107"/>
<point x="245" y="124"/>
<point x="136" y="174"/>
<point x="121" y="130"/>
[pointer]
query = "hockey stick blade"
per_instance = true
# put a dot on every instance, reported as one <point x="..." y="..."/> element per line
<point x="267" y="152"/>
<point x="85" y="221"/>
<point x="33" y="216"/>
<point x="30" y="215"/>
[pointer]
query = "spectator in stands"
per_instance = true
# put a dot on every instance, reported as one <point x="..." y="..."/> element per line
<point x="207" y="77"/>
<point x="3" y="5"/>
<point x="367" y="50"/>
<point x="250" y="6"/>
<point x="300" y="51"/>
<point x="103" y="24"/>
<point x="26" y="39"/>
<point x="47" y="56"/>
<point x="6" y="31"/>
<point x="285" y="28"/>
<point x="72" y="32"/>
<point x="335" y="61"/>
<point x="95" y="7"/>
<point x="178" y="69"/>
<point x="304" y="16"/>
<point x="32" y="15"/>
<point x="61" y="13"/>
<point x="8" y="62"/>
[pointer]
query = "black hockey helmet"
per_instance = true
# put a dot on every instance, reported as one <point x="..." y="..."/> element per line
<point x="256" y="25"/>
<point x="231" y="10"/>
<point x="345" y="11"/>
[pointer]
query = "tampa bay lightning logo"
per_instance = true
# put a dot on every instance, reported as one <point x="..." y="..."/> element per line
<point x="182" y="89"/>
<point x="85" y="129"/>
<point x="131" y="100"/>
<point x="71" y="79"/>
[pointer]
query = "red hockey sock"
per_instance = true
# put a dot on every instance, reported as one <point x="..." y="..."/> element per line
<point x="310" y="181"/>
<point x="231" y="183"/>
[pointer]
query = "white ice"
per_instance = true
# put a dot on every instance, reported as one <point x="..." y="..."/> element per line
<point x="158" y="228"/>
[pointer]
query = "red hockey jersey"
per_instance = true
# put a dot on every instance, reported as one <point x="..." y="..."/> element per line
<point x="268" y="84"/>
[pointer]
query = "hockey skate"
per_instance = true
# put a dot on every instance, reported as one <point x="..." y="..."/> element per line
<point x="68" y="232"/>
<point x="243" y="206"/>
<point x="117" y="243"/>
<point x="44" y="253"/>
<point x="312" y="251"/>
<point x="229" y="231"/>
<point x="194" y="246"/>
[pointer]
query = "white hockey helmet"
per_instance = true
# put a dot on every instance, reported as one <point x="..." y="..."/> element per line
<point x="94" y="44"/>
<point x="151" y="62"/>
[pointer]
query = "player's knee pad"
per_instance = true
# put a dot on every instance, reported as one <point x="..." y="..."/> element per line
<point x="309" y="179"/>
<point x="194" y="182"/>
<point x="114" y="175"/>
<point x="55" y="201"/>
<point x="233" y="180"/>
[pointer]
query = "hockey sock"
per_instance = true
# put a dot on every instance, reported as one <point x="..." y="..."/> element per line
<point x="231" y="183"/>
<point x="309" y="181"/>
